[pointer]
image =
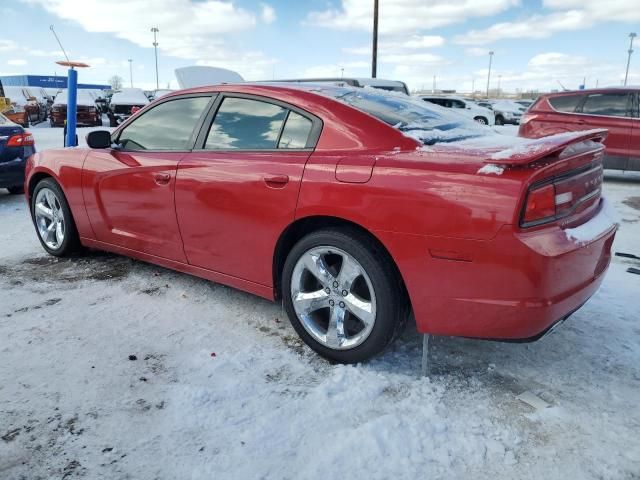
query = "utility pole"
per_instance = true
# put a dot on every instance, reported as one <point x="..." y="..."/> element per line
<point x="499" y="79"/>
<point x="489" y="73"/>
<point x="130" y="71"/>
<point x="433" y="89"/>
<point x="155" y="30"/>
<point x="374" y="50"/>
<point x="473" y="87"/>
<point x="632" y="35"/>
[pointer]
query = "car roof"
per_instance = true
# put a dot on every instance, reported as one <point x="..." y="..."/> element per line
<point x="618" y="88"/>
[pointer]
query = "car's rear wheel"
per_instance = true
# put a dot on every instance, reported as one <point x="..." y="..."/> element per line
<point x="499" y="120"/>
<point x="15" y="190"/>
<point x="342" y="295"/>
<point x="53" y="220"/>
<point x="481" y="120"/>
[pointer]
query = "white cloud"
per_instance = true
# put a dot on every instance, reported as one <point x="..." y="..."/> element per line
<point x="405" y="16"/>
<point x="17" y="62"/>
<point x="556" y="60"/>
<point x="268" y="13"/>
<point x="570" y="15"/>
<point x="476" y="51"/>
<point x="198" y="31"/>
<point x="8" y="45"/>
<point x="351" y="69"/>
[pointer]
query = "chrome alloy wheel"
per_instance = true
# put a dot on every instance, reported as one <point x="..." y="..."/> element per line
<point x="50" y="220"/>
<point x="333" y="297"/>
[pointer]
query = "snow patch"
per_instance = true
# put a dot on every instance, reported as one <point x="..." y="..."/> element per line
<point x="606" y="218"/>
<point x="491" y="169"/>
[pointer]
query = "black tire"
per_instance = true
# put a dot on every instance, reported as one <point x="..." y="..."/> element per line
<point x="391" y="301"/>
<point x="71" y="242"/>
<point x="499" y="120"/>
<point x="98" y="122"/>
<point x="16" y="190"/>
<point x="481" y="120"/>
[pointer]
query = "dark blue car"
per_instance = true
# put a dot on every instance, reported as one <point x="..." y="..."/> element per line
<point x="16" y="145"/>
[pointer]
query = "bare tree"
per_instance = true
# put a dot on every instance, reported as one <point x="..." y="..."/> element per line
<point x="115" y="82"/>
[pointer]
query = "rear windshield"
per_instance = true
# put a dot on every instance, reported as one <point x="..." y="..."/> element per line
<point x="565" y="103"/>
<point x="421" y="120"/>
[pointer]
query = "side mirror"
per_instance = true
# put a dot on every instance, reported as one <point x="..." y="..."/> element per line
<point x="99" y="139"/>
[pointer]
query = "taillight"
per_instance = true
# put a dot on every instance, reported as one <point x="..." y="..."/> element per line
<point x="541" y="204"/>
<point x="563" y="196"/>
<point x="20" y="140"/>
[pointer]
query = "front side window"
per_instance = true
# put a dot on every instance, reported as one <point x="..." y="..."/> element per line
<point x="608" y="104"/>
<point x="247" y="124"/>
<point x="457" y="104"/>
<point x="168" y="126"/>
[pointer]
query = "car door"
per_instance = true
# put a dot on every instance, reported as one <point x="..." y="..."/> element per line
<point x="634" y="145"/>
<point x="609" y="110"/>
<point x="129" y="190"/>
<point x="238" y="191"/>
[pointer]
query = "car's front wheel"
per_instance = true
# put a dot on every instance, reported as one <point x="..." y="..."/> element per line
<point x="481" y="120"/>
<point x="53" y="220"/>
<point x="342" y="295"/>
<point x="499" y="120"/>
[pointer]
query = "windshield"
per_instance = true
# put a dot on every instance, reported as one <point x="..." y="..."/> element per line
<point x="425" y="122"/>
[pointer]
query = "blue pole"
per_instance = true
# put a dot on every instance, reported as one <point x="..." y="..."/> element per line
<point x="72" y="107"/>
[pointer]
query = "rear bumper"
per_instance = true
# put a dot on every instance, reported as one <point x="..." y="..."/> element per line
<point x="513" y="287"/>
<point x="12" y="173"/>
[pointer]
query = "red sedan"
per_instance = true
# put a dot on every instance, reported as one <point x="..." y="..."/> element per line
<point x="352" y="206"/>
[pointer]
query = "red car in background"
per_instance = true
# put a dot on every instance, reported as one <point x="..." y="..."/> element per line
<point x="87" y="114"/>
<point x="615" y="109"/>
<point x="352" y="206"/>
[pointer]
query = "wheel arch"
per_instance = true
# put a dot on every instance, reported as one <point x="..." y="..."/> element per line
<point x="305" y="225"/>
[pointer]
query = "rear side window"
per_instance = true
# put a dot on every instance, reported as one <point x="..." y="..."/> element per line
<point x="166" y="127"/>
<point x="242" y="123"/>
<point x="296" y="131"/>
<point x="565" y="103"/>
<point x="608" y="104"/>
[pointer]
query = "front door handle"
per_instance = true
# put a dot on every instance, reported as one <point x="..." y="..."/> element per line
<point x="276" y="181"/>
<point x="162" y="178"/>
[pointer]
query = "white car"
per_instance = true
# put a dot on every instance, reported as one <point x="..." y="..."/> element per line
<point x="507" y="111"/>
<point x="464" y="107"/>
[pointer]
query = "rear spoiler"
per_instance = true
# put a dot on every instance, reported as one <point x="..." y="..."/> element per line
<point x="545" y="146"/>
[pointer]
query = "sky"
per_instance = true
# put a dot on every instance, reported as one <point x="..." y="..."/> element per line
<point x="537" y="44"/>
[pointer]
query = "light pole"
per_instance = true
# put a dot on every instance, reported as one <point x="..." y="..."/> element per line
<point x="130" y="71"/>
<point x="473" y="87"/>
<point x="374" y="50"/>
<point x="155" y="31"/>
<point x="632" y="35"/>
<point x="499" y="79"/>
<point x="489" y="73"/>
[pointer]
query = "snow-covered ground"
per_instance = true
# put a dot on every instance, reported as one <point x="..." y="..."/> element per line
<point x="222" y="388"/>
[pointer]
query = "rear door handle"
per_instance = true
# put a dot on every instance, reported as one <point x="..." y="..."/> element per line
<point x="162" y="178"/>
<point x="276" y="181"/>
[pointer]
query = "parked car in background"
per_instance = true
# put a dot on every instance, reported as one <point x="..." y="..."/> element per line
<point x="464" y="107"/>
<point x="122" y="102"/>
<point x="616" y="109"/>
<point x="379" y="83"/>
<point x="16" y="145"/>
<point x="524" y="103"/>
<point x="87" y="113"/>
<point x="326" y="198"/>
<point x="506" y="111"/>
<point x="160" y="93"/>
<point x="24" y="98"/>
